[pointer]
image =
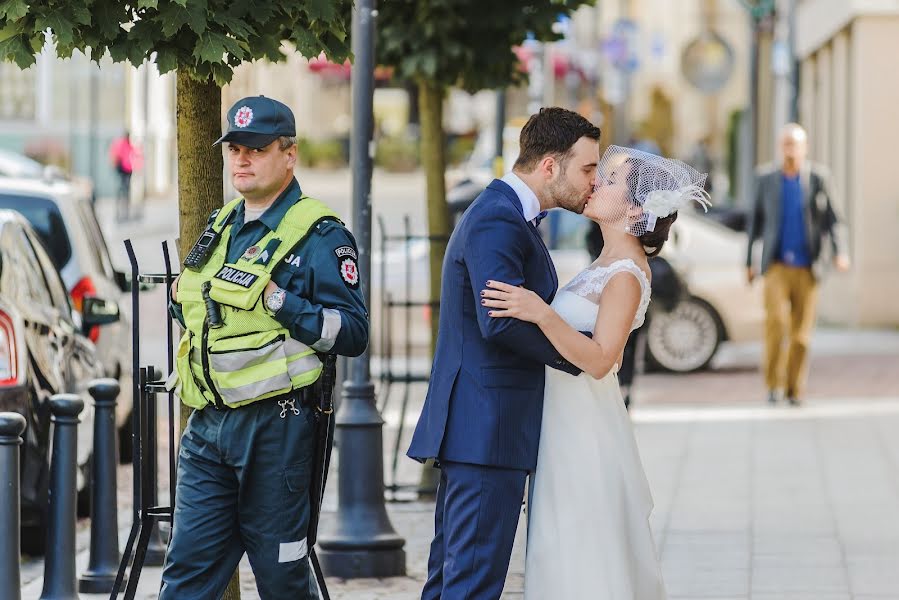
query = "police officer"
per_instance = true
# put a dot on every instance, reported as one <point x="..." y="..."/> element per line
<point x="272" y="283"/>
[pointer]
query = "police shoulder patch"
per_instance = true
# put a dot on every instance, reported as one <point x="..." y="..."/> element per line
<point x="344" y="251"/>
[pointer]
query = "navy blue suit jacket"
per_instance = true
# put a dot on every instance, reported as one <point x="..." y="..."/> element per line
<point x="485" y="400"/>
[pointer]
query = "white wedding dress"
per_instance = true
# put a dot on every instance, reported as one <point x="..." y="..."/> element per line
<point x="588" y="527"/>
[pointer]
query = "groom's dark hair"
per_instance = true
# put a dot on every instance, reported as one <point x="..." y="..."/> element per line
<point x="552" y="131"/>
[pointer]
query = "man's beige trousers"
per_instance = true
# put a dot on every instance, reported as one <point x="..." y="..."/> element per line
<point x="791" y="295"/>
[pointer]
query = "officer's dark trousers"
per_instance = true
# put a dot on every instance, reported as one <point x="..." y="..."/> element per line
<point x="477" y="513"/>
<point x="243" y="486"/>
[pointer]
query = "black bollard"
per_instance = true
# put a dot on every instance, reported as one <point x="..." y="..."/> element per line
<point x="59" y="561"/>
<point x="11" y="427"/>
<point x="103" y="564"/>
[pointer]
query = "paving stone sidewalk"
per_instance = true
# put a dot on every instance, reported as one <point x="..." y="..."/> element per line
<point x="751" y="503"/>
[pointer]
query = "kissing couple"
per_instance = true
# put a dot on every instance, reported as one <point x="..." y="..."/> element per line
<point x="522" y="365"/>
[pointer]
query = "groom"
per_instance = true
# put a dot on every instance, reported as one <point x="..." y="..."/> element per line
<point x="481" y="418"/>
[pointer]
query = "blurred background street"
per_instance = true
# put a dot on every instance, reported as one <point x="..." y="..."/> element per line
<point x="753" y="499"/>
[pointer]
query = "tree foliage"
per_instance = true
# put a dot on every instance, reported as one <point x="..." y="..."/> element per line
<point x="464" y="43"/>
<point x="206" y="38"/>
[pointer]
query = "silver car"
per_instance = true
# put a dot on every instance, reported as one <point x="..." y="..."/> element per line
<point x="64" y="219"/>
<point x="43" y="351"/>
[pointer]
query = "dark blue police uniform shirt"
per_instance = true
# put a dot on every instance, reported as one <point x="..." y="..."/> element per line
<point x="312" y="275"/>
<point x="793" y="247"/>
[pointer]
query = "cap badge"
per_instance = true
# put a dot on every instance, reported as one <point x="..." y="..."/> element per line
<point x="243" y="117"/>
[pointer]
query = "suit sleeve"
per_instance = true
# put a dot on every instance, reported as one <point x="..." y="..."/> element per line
<point x="755" y="218"/>
<point x="333" y="318"/>
<point x="496" y="251"/>
<point x="831" y="223"/>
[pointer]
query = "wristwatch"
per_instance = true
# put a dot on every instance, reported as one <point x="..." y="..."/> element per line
<point x="275" y="300"/>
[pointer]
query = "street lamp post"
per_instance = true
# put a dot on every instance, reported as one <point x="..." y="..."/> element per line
<point x="758" y="10"/>
<point x="361" y="542"/>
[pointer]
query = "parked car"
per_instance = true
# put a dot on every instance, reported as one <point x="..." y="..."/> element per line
<point x="719" y="305"/>
<point x="19" y="166"/>
<point x="65" y="222"/>
<point x="44" y="350"/>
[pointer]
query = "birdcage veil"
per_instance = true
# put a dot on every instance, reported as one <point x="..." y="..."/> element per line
<point x="644" y="187"/>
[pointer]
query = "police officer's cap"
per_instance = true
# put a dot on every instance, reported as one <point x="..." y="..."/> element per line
<point x="258" y="121"/>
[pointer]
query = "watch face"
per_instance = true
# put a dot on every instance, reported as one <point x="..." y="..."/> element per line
<point x="275" y="300"/>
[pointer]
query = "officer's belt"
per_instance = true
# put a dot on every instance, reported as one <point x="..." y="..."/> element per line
<point x="305" y="396"/>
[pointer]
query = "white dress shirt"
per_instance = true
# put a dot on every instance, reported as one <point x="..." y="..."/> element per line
<point x="530" y="206"/>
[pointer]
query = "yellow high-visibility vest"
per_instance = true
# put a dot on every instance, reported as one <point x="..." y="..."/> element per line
<point x="251" y="356"/>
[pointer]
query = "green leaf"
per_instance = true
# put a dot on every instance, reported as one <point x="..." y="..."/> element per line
<point x="17" y="49"/>
<point x="166" y="60"/>
<point x="13" y="10"/>
<point x="118" y="52"/>
<point x="222" y="74"/>
<point x="141" y="41"/>
<point x="307" y="43"/>
<point x="37" y="42"/>
<point x="236" y="27"/>
<point x="320" y="10"/>
<point x="138" y="50"/>
<point x="210" y="48"/>
<point x="81" y="15"/>
<point x="154" y="4"/>
<point x="463" y="42"/>
<point x="61" y="28"/>
<point x="174" y="16"/>
<point x="235" y="48"/>
<point x="63" y="51"/>
<point x="108" y="18"/>
<point x="267" y="47"/>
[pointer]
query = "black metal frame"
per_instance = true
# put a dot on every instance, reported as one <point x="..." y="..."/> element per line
<point x="147" y="513"/>
<point x="406" y="377"/>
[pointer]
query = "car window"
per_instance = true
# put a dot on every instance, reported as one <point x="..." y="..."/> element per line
<point x="13" y="281"/>
<point x="43" y="214"/>
<point x="30" y="277"/>
<point x="99" y="252"/>
<point x="52" y="280"/>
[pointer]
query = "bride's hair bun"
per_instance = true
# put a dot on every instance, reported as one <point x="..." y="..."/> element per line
<point x="654" y="240"/>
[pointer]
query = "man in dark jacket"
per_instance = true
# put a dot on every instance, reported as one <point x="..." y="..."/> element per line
<point x="793" y="213"/>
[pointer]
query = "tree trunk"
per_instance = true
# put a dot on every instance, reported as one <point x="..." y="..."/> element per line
<point x="200" y="165"/>
<point x="433" y="160"/>
<point x="200" y="188"/>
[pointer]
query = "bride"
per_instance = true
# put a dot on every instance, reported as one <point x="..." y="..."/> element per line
<point x="588" y="527"/>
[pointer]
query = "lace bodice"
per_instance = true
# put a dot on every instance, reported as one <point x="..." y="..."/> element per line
<point x="577" y="302"/>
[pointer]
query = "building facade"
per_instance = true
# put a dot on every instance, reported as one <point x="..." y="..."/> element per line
<point x="848" y="100"/>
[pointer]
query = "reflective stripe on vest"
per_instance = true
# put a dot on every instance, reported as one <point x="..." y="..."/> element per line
<point x="252" y="356"/>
